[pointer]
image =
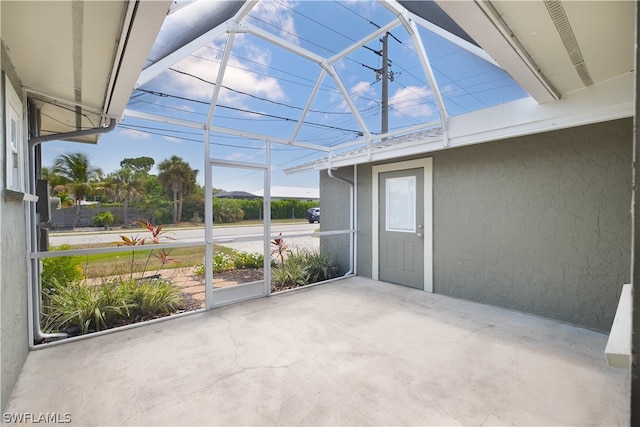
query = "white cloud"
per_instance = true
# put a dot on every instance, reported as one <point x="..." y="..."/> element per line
<point x="257" y="53"/>
<point x="173" y="139"/>
<point x="412" y="101"/>
<point x="235" y="156"/>
<point x="362" y="89"/>
<point x="279" y="14"/>
<point x="238" y="75"/>
<point x="133" y="134"/>
<point x="365" y="8"/>
<point x="447" y="88"/>
<point x="358" y="92"/>
<point x="337" y="98"/>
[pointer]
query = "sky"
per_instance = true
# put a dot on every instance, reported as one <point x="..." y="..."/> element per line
<point x="266" y="88"/>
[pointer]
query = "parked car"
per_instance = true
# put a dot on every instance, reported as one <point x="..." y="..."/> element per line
<point x="313" y="215"/>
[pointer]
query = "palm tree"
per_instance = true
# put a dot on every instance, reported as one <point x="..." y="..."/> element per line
<point x="178" y="178"/>
<point x="77" y="174"/>
<point x="128" y="186"/>
<point x="55" y="180"/>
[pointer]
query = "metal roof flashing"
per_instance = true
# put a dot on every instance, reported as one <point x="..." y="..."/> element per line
<point x="387" y="148"/>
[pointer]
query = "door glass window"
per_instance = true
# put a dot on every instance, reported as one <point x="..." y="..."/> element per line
<point x="401" y="204"/>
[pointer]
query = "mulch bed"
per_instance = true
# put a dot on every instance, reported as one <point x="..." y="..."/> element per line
<point x="244" y="275"/>
<point x="225" y="279"/>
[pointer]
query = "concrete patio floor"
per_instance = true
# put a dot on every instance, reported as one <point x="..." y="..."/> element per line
<point x="351" y="352"/>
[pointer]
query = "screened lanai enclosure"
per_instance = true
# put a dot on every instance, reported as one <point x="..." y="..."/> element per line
<point x="264" y="86"/>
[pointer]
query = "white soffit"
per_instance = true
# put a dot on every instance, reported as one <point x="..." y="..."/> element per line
<point x="480" y="21"/>
<point x="79" y="60"/>
<point x="39" y="37"/>
<point x="603" y="31"/>
<point x="147" y="21"/>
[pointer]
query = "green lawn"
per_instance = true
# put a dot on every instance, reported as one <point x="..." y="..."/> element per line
<point x="141" y="261"/>
<point x="149" y="261"/>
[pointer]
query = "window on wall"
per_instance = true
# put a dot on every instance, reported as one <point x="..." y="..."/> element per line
<point x="14" y="167"/>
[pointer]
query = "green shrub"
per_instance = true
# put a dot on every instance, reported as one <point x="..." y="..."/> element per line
<point x="222" y="262"/>
<point x="62" y="269"/>
<point x="289" y="274"/>
<point x="163" y="216"/>
<point x="88" y="308"/>
<point x="93" y="308"/>
<point x="193" y="205"/>
<point x="253" y="209"/>
<point x="285" y="209"/>
<point x="160" y="298"/>
<point x="198" y="270"/>
<point x="151" y="298"/>
<point x="248" y="260"/>
<point x="227" y="210"/>
<point x="319" y="266"/>
<point x="302" y="268"/>
<point x="103" y="219"/>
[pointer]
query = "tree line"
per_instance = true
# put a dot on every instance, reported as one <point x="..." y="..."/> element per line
<point x="172" y="196"/>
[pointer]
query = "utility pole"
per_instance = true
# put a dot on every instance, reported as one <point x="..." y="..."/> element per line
<point x="385" y="75"/>
<point x="385" y="84"/>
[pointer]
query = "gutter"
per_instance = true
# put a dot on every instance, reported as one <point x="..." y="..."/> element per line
<point x="351" y="220"/>
<point x="75" y="134"/>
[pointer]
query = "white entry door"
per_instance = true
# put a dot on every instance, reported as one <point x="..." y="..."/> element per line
<point x="402" y="223"/>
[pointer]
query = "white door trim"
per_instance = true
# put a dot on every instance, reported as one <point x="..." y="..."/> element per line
<point x="427" y="165"/>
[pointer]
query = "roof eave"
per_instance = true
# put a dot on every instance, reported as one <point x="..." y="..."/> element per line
<point x="483" y="23"/>
<point x="145" y="20"/>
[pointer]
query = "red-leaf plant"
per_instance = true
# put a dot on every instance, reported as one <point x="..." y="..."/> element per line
<point x="280" y="248"/>
<point x="156" y="236"/>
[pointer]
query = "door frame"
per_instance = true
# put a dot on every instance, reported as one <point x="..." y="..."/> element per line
<point x="247" y="291"/>
<point x="427" y="165"/>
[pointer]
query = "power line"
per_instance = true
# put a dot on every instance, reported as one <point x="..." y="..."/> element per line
<point x="327" y="88"/>
<point x="288" y="119"/>
<point x="255" y="96"/>
<point x="316" y="21"/>
<point x="157" y="131"/>
<point x="352" y="11"/>
<point x="292" y="34"/>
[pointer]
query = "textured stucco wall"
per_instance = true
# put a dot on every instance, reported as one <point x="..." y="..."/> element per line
<point x="539" y="224"/>
<point x="365" y="227"/>
<point x="13" y="276"/>
<point x="334" y="215"/>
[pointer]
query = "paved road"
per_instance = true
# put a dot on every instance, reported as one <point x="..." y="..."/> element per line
<point x="195" y="235"/>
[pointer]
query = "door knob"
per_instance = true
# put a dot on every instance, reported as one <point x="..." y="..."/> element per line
<point x="421" y="235"/>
